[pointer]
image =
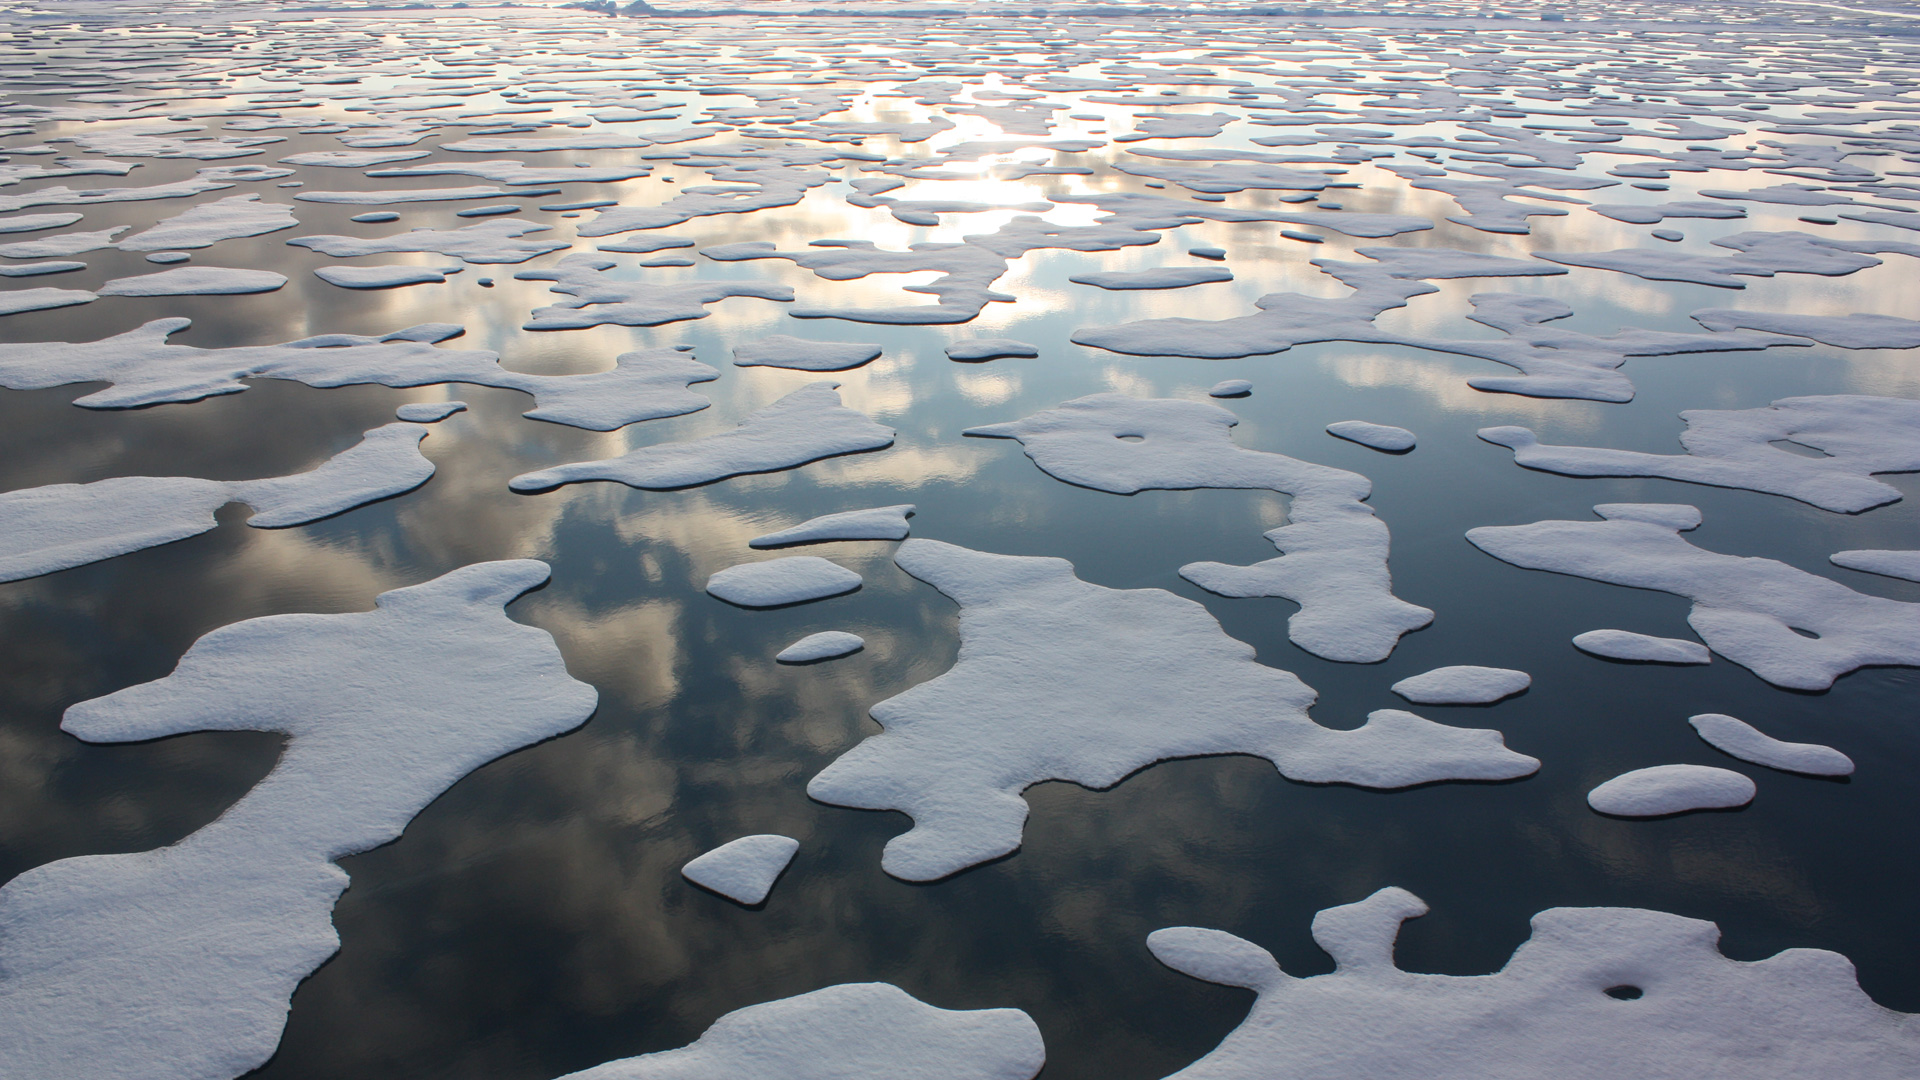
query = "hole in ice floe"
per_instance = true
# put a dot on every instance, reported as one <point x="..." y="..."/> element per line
<point x="1623" y="992"/>
<point x="1804" y="633"/>
<point x="1801" y="449"/>
<point x="1131" y="438"/>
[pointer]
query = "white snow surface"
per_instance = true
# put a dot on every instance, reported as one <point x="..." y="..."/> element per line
<point x="1462" y="685"/>
<point x="1334" y="550"/>
<point x="793" y="579"/>
<point x="743" y="870"/>
<point x="179" y="962"/>
<point x="195" y="281"/>
<point x="825" y="645"/>
<point x="1746" y="609"/>
<point x="1900" y="564"/>
<point x="1644" y="648"/>
<point x="1858" y="435"/>
<point x="382" y="277"/>
<point x="804" y="354"/>
<point x="1748" y="743"/>
<point x="600" y="300"/>
<point x="429" y="412"/>
<point x="1058" y="678"/>
<point x="494" y="241"/>
<point x="60" y="526"/>
<point x="1547" y="1013"/>
<point x="1158" y="277"/>
<point x="1383" y="437"/>
<point x="232" y="218"/>
<point x="806" y="425"/>
<point x="878" y="523"/>
<point x="975" y="350"/>
<point x="1671" y="789"/>
<point x="853" y="1031"/>
<point x="18" y="301"/>
<point x="1231" y="388"/>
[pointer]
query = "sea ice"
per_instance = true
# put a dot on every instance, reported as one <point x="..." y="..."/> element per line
<point x="1747" y="609"/>
<point x="382" y="277"/>
<point x="429" y="412"/>
<point x="401" y="195"/>
<point x="1757" y="254"/>
<point x="878" y="523"/>
<point x="1158" y="277"/>
<point x="17" y="301"/>
<point x="974" y="350"/>
<point x="34" y="222"/>
<point x="804" y="354"/>
<point x="1744" y="741"/>
<point x="494" y="241"/>
<point x="1857" y="436"/>
<point x="36" y="269"/>
<point x="806" y="425"/>
<point x="62" y="244"/>
<point x="179" y="962"/>
<point x="1382" y="437"/>
<point x="743" y="870"/>
<point x="599" y="300"/>
<point x="1641" y="648"/>
<point x="1462" y="685"/>
<point x="1595" y="994"/>
<point x="1846" y="331"/>
<point x="1671" y="789"/>
<point x="1900" y="564"/>
<point x="1058" y="678"/>
<point x="1231" y="388"/>
<point x="1334" y="550"/>
<point x="232" y="218"/>
<point x="792" y="579"/>
<point x="195" y="281"/>
<point x="825" y="645"/>
<point x="853" y="1031"/>
<point x="59" y="526"/>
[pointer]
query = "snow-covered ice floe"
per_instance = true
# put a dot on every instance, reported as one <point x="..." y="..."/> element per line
<point x="1641" y="648"/>
<point x="743" y="870"/>
<point x="179" y="962"/>
<point x="1383" y="437"/>
<point x="1742" y="740"/>
<point x="1462" y="685"/>
<point x="1593" y="994"/>
<point x="825" y="645"/>
<point x="794" y="579"/>
<point x="1059" y="678"/>
<point x="1671" y="789"/>
<point x="877" y="523"/>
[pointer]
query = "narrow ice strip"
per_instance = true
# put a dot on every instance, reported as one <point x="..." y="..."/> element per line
<point x="489" y="242"/>
<point x="1641" y="648"/>
<point x="743" y="870"/>
<point x="1746" y="609"/>
<point x="825" y="645"/>
<point x="38" y="268"/>
<point x="1856" y="435"/>
<point x="196" y="281"/>
<point x="401" y="195"/>
<point x="180" y="962"/>
<point x="1231" y="388"/>
<point x="1462" y="685"/>
<point x="1159" y="277"/>
<point x="1900" y="564"/>
<point x="19" y="301"/>
<point x="62" y="244"/>
<point x="853" y="1031"/>
<point x="61" y="526"/>
<point x="1334" y="550"/>
<point x="806" y="425"/>
<point x="878" y="523"/>
<point x="429" y="412"/>
<point x="803" y="354"/>
<point x="794" y="579"/>
<point x="1844" y="331"/>
<point x="1595" y="994"/>
<point x="1382" y="437"/>
<point x="1061" y="679"/>
<point x="1671" y="789"/>
<point x="975" y="350"/>
<point x="1744" y="741"/>
<point x="382" y="277"/>
<point x="34" y="222"/>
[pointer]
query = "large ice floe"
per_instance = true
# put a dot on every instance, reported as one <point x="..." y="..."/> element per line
<point x="179" y="962"/>
<point x="806" y="425"/>
<point x="1593" y="994"/>
<point x="1746" y="609"/>
<point x="1333" y="549"/>
<point x="60" y="526"/>
<point x="853" y="1031"/>
<point x="1856" y="436"/>
<point x="1061" y="679"/>
<point x="145" y="369"/>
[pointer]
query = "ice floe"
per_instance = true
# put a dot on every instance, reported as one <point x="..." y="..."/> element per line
<point x="429" y="412"/>
<point x="792" y="579"/>
<point x="1856" y="435"/>
<point x="1671" y="789"/>
<point x="1333" y="550"/>
<point x="600" y="299"/>
<point x="975" y="350"/>
<point x="878" y="523"/>
<point x="825" y="645"/>
<point x="60" y="526"/>
<point x="743" y="870"/>
<point x="1462" y="685"/>
<point x="1641" y="648"/>
<point x="1594" y="994"/>
<point x="1231" y="388"/>
<point x="1744" y="741"/>
<point x="804" y="354"/>
<point x="1900" y="564"/>
<point x="18" y="301"/>
<point x="1159" y="277"/>
<point x="196" y="281"/>
<point x="382" y="277"/>
<point x="488" y="242"/>
<point x="1058" y="678"/>
<point x="806" y="425"/>
<point x="179" y="962"/>
<point x="232" y="218"/>
<point x="1746" y="609"/>
<point x="853" y="1031"/>
<point x="1383" y="437"/>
